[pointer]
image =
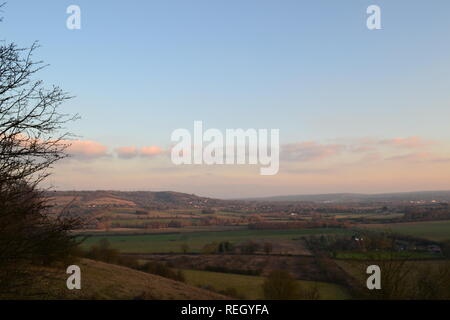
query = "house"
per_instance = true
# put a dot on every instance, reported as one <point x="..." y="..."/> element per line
<point x="357" y="238"/>
<point x="434" y="248"/>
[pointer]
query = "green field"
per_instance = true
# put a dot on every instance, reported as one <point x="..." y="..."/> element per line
<point x="433" y="230"/>
<point x="250" y="287"/>
<point x="157" y="243"/>
<point x="143" y="221"/>
<point x="371" y="216"/>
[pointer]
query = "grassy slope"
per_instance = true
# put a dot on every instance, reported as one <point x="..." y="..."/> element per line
<point x="106" y="281"/>
<point x="250" y="287"/>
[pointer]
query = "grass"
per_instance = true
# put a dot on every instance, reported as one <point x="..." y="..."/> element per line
<point x="101" y="281"/>
<point x="250" y="287"/>
<point x="433" y="230"/>
<point x="158" y="243"/>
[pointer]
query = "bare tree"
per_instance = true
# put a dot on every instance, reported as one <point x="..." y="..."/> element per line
<point x="29" y="119"/>
<point x="32" y="139"/>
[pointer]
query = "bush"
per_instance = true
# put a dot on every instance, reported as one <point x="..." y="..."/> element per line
<point x="446" y="249"/>
<point x="103" y="252"/>
<point x="250" y="247"/>
<point x="232" y="293"/>
<point x="280" y="285"/>
<point x="309" y="293"/>
<point x="162" y="270"/>
<point x="145" y="295"/>
<point x="29" y="236"/>
<point x="235" y="271"/>
<point x="210" y="248"/>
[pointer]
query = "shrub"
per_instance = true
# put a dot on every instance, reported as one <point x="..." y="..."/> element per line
<point x="280" y="285"/>
<point x="162" y="270"/>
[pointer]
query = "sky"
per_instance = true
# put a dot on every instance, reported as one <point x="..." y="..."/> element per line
<point x="358" y="110"/>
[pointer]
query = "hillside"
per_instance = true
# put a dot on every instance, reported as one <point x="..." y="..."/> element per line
<point x="129" y="199"/>
<point x="151" y="200"/>
<point x="100" y="280"/>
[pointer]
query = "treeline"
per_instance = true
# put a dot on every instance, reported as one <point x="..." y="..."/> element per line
<point x="202" y="222"/>
<point x="324" y="223"/>
<point x="247" y="247"/>
<point x="223" y="269"/>
<point x="151" y="224"/>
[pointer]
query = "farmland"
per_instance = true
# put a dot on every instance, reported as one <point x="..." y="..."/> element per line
<point x="233" y="247"/>
<point x="433" y="230"/>
<point x="172" y="242"/>
<point x="250" y="287"/>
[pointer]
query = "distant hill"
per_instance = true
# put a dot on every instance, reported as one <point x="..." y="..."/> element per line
<point x="138" y="199"/>
<point x="100" y="280"/>
<point x="178" y="200"/>
<point x="359" y="197"/>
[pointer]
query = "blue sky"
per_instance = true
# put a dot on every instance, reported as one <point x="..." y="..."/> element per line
<point x="140" y="69"/>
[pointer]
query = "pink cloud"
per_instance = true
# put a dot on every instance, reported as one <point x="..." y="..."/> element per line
<point x="420" y="157"/>
<point x="132" y="152"/>
<point x="127" y="152"/>
<point x="417" y="156"/>
<point x="151" y="151"/>
<point x="372" y="157"/>
<point x="361" y="149"/>
<point x="85" y="148"/>
<point x="310" y="150"/>
<point x="409" y="143"/>
<point x="369" y="147"/>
